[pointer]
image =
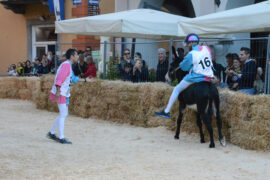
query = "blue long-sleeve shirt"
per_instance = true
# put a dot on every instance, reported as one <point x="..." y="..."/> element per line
<point x="187" y="65"/>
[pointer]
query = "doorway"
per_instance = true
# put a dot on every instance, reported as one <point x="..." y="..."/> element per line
<point x="43" y="40"/>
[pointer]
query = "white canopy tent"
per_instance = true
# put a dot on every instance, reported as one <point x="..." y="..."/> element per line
<point x="137" y="23"/>
<point x="252" y="18"/>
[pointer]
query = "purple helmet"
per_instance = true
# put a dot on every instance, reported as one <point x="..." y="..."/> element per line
<point x="192" y="38"/>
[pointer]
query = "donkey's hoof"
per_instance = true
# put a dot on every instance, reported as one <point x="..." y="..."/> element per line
<point x="202" y="141"/>
<point x="222" y="141"/>
<point x="211" y="145"/>
<point x="176" y="137"/>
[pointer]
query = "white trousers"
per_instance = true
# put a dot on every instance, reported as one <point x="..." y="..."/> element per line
<point x="176" y="91"/>
<point x="60" y="120"/>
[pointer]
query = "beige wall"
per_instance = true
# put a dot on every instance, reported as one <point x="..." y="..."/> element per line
<point x="12" y="38"/>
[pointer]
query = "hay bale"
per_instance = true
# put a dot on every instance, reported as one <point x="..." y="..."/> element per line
<point x="42" y="100"/>
<point x="46" y="83"/>
<point x="33" y="84"/>
<point x="8" y="87"/>
<point x="19" y="87"/>
<point x="25" y="94"/>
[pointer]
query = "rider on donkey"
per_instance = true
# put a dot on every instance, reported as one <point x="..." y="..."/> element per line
<point x="199" y="64"/>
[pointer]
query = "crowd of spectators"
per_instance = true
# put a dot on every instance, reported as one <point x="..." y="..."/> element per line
<point x="241" y="72"/>
<point x="48" y="64"/>
<point x="35" y="68"/>
<point x="85" y="67"/>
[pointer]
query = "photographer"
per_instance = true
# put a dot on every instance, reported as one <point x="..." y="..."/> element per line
<point x="140" y="73"/>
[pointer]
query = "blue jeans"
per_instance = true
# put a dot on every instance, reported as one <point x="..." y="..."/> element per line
<point x="248" y="91"/>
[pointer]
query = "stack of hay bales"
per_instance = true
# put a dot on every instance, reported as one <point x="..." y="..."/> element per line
<point x="246" y="119"/>
<point x="118" y="101"/>
<point x="25" y="88"/>
<point x="42" y="100"/>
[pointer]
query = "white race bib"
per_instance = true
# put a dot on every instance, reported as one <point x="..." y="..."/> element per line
<point x="202" y="62"/>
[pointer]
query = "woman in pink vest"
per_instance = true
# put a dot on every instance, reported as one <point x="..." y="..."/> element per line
<point x="60" y="94"/>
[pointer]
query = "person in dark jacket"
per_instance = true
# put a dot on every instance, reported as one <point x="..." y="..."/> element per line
<point x="248" y="75"/>
<point x="80" y="67"/>
<point x="127" y="75"/>
<point x="140" y="73"/>
<point x="163" y="65"/>
<point x="27" y="68"/>
<point x="125" y="60"/>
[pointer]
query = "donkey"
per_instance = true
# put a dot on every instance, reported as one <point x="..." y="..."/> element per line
<point x="203" y="95"/>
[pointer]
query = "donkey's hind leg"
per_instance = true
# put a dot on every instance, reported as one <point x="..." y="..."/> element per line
<point x="218" y="119"/>
<point x="179" y="120"/>
<point x="199" y="124"/>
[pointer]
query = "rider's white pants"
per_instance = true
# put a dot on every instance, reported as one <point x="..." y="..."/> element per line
<point x="176" y="91"/>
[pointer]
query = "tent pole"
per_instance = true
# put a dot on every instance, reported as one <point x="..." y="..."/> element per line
<point x="104" y="59"/>
<point x="267" y="73"/>
<point x="170" y="51"/>
<point x="133" y="48"/>
<point x="57" y="52"/>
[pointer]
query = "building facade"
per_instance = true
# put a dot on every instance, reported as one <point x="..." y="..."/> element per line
<point x="27" y="28"/>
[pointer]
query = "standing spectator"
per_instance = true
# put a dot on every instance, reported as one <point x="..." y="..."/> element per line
<point x="88" y="51"/>
<point x="27" y="68"/>
<point x="248" y="75"/>
<point x="23" y="66"/>
<point x="20" y="69"/>
<point x="37" y="67"/>
<point x="91" y="68"/>
<point x="45" y="67"/>
<point x="233" y="74"/>
<point x="48" y="63"/>
<point x="163" y="64"/>
<point x="36" y="59"/>
<point x="12" y="70"/>
<point x="50" y="56"/>
<point x="80" y="67"/>
<point x="44" y="58"/>
<point x="259" y="82"/>
<point x="139" y="56"/>
<point x="229" y="61"/>
<point x="140" y="74"/>
<point x="125" y="60"/>
<point x="127" y="76"/>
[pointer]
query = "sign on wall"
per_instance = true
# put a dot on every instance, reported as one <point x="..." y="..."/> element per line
<point x="93" y="2"/>
<point x="77" y="2"/>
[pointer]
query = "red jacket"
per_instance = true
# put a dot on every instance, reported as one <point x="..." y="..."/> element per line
<point x="91" y="71"/>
